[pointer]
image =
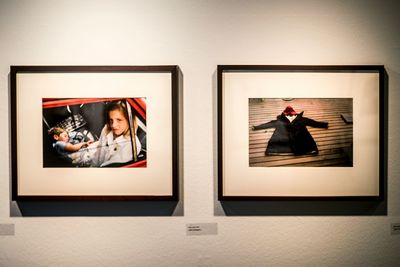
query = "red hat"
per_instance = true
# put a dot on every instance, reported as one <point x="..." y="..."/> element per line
<point x="289" y="111"/>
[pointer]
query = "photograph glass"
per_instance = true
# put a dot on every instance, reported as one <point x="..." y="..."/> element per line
<point x="300" y="132"/>
<point x="94" y="132"/>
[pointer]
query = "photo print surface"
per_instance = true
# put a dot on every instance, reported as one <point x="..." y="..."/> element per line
<point x="94" y="132"/>
<point x="300" y="132"/>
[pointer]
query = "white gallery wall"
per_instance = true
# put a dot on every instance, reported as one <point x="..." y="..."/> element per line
<point x="197" y="36"/>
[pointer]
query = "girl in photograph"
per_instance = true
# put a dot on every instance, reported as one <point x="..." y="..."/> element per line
<point x="116" y="143"/>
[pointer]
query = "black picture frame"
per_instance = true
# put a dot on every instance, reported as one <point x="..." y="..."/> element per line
<point x="170" y="79"/>
<point x="225" y="109"/>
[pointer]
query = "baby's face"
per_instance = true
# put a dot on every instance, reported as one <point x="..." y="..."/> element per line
<point x="63" y="137"/>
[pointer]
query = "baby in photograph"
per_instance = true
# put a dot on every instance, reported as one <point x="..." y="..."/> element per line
<point x="114" y="147"/>
<point x="71" y="146"/>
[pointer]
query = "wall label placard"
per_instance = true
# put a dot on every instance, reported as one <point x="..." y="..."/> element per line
<point x="202" y="229"/>
<point x="395" y="228"/>
<point x="7" y="229"/>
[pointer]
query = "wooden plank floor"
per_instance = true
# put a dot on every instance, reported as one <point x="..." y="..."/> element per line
<point x="335" y="143"/>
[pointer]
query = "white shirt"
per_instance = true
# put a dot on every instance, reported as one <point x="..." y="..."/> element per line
<point x="110" y="150"/>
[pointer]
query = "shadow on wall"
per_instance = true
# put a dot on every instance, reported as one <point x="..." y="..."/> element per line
<point x="311" y="208"/>
<point x="95" y="208"/>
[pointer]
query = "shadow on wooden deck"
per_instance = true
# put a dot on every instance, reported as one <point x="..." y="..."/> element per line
<point x="335" y="144"/>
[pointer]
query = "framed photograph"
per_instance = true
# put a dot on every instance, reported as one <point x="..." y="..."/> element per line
<point x="95" y="132"/>
<point x="301" y="132"/>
